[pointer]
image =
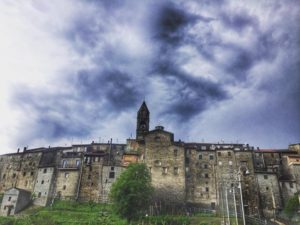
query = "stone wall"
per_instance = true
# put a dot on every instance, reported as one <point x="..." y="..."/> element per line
<point x="166" y="162"/>
<point x="269" y="193"/>
<point x="43" y="189"/>
<point x="200" y="178"/>
<point x="109" y="175"/>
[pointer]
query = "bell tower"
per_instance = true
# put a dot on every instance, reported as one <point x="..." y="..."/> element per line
<point x="143" y="118"/>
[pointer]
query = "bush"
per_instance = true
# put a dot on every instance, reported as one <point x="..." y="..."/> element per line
<point x="292" y="206"/>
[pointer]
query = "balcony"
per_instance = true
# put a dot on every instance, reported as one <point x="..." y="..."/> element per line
<point x="69" y="166"/>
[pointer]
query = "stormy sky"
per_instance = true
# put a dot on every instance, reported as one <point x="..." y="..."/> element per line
<point x="74" y="71"/>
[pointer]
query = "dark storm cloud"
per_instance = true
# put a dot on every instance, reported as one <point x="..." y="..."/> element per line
<point x="170" y="23"/>
<point x="53" y="116"/>
<point x="238" y="21"/>
<point x="117" y="88"/>
<point x="93" y="96"/>
<point x="189" y="95"/>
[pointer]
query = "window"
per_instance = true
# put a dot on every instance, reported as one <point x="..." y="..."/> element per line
<point x="206" y="175"/>
<point x="211" y="157"/>
<point x="229" y="153"/>
<point x="42" y="182"/>
<point x="9" y="198"/>
<point x="205" y="166"/>
<point x="175" y="152"/>
<point x="165" y="170"/>
<point x="14" y="175"/>
<point x="64" y="163"/>
<point x="267" y="188"/>
<point x="39" y="195"/>
<point x="265" y="177"/>
<point x="111" y="175"/>
<point x="175" y="170"/>
<point x="24" y="174"/>
<point x="157" y="163"/>
<point x="150" y="169"/>
<point x="213" y="205"/>
<point x="4" y="175"/>
<point x="45" y="171"/>
<point x="77" y="163"/>
<point x="64" y="187"/>
<point x="90" y="168"/>
<point x="89" y="176"/>
<point x="291" y="185"/>
<point x="112" y="168"/>
<point x="66" y="175"/>
<point x="207" y="189"/>
<point x="219" y="154"/>
<point x="200" y="156"/>
<point x="187" y="160"/>
<point x="272" y="155"/>
<point x="203" y="147"/>
<point x="32" y="173"/>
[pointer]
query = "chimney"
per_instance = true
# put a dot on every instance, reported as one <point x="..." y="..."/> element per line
<point x="25" y="148"/>
<point x="18" y="150"/>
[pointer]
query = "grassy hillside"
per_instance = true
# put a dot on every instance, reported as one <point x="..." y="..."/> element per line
<point x="64" y="212"/>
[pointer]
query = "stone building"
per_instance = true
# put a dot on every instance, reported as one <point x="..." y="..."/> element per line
<point x="14" y="200"/>
<point x="206" y="175"/>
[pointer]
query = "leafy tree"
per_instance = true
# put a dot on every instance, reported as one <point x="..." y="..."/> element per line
<point x="131" y="193"/>
<point x="292" y="206"/>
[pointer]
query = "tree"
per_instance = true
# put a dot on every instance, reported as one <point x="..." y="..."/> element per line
<point x="292" y="205"/>
<point x="131" y="193"/>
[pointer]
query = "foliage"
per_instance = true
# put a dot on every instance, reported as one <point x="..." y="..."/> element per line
<point x="167" y="220"/>
<point x="292" y="206"/>
<point x="131" y="193"/>
<point x="66" y="212"/>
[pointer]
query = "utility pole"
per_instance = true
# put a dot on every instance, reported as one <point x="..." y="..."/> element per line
<point x="242" y="204"/>
<point x="234" y="201"/>
<point x="227" y="207"/>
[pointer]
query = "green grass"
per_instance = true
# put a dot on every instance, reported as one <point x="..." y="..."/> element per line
<point x="68" y="213"/>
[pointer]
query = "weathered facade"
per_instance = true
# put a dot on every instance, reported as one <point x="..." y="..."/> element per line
<point x="207" y="175"/>
<point x="14" y="200"/>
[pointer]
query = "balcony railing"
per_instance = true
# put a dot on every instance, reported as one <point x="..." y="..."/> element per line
<point x="69" y="166"/>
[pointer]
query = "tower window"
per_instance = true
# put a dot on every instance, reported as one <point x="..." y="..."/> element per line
<point x="200" y="156"/>
<point x="211" y="157"/>
<point x="175" y="170"/>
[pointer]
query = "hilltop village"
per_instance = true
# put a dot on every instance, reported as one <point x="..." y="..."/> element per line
<point x="258" y="181"/>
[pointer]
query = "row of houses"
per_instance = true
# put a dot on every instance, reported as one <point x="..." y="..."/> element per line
<point x="207" y="175"/>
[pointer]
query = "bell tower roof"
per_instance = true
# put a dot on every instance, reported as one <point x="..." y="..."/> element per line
<point x="143" y="119"/>
<point x="143" y="107"/>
